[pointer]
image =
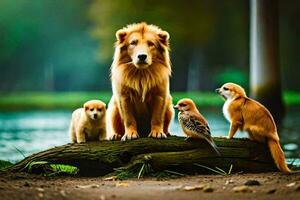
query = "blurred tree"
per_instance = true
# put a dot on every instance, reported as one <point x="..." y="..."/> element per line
<point x="45" y="45"/>
<point x="265" y="73"/>
<point x="289" y="43"/>
<point x="193" y="27"/>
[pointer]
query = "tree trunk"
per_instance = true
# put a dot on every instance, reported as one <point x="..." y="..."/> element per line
<point x="265" y="83"/>
<point x="174" y="153"/>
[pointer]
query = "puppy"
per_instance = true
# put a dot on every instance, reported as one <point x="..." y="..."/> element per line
<point x="88" y="123"/>
<point x="249" y="115"/>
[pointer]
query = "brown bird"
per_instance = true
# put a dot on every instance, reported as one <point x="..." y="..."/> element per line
<point x="193" y="124"/>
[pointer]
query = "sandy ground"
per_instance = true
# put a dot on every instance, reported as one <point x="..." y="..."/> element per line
<point x="272" y="186"/>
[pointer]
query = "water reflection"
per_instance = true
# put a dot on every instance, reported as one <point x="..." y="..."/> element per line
<point x="31" y="132"/>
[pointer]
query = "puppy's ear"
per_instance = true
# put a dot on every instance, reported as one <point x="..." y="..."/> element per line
<point x="164" y="37"/>
<point x="121" y="35"/>
<point x="85" y="106"/>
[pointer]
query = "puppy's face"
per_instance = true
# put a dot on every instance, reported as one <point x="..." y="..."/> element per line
<point x="142" y="44"/>
<point x="95" y="109"/>
<point x="231" y="91"/>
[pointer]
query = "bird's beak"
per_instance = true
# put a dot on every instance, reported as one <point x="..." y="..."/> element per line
<point x="217" y="90"/>
<point x="175" y="107"/>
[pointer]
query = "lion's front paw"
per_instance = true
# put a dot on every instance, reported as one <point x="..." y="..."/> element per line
<point x="81" y="140"/>
<point x="130" y="135"/>
<point x="115" y="137"/>
<point x="157" y="134"/>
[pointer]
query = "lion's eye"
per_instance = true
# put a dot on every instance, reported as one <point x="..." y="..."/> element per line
<point x="225" y="88"/>
<point x="133" y="42"/>
<point x="150" y="44"/>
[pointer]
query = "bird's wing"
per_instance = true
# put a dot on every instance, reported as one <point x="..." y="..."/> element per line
<point x="199" y="127"/>
<point x="192" y="123"/>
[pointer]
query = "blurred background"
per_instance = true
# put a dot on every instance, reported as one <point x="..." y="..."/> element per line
<point x="53" y="45"/>
<point x="54" y="55"/>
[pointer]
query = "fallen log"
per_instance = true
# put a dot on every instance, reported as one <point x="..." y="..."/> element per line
<point x="171" y="154"/>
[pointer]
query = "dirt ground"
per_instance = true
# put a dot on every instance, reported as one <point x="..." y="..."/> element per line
<point x="272" y="186"/>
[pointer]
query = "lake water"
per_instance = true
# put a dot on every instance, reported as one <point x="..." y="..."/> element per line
<point x="25" y="133"/>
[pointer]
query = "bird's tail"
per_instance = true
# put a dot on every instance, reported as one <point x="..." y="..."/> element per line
<point x="213" y="145"/>
<point x="278" y="155"/>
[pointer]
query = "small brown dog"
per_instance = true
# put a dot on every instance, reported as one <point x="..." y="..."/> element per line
<point x="249" y="115"/>
<point x="88" y="123"/>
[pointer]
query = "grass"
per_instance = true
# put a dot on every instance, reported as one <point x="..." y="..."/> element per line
<point x="71" y="100"/>
<point x="217" y="170"/>
<point x="4" y="164"/>
<point x="50" y="169"/>
<point x="48" y="100"/>
<point x="141" y="168"/>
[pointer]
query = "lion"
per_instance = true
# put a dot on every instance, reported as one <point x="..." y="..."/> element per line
<point x="141" y="103"/>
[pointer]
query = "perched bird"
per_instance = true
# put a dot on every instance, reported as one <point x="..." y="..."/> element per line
<point x="193" y="124"/>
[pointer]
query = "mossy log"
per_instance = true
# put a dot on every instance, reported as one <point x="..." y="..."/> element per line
<point x="173" y="153"/>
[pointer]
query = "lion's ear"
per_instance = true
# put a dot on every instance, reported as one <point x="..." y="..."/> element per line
<point x="164" y="37"/>
<point x="121" y="35"/>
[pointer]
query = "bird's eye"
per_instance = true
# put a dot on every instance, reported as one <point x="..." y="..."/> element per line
<point x="99" y="109"/>
<point x="133" y="42"/>
<point x="150" y="44"/>
<point x="225" y="88"/>
<point x="92" y="109"/>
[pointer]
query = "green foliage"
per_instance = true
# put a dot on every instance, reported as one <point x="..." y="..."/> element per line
<point x="162" y="13"/>
<point x="291" y="98"/>
<point x="231" y="75"/>
<point x="4" y="164"/>
<point x="200" y="98"/>
<point x="48" y="100"/>
<point x="49" y="169"/>
<point x="72" y="100"/>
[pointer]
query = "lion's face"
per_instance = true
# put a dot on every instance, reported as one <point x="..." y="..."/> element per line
<point x="142" y="49"/>
<point x="142" y="45"/>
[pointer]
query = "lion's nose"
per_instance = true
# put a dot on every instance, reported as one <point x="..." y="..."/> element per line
<point x="142" y="57"/>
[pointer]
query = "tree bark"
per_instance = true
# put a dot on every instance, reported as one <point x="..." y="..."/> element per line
<point x="173" y="153"/>
<point x="265" y="82"/>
